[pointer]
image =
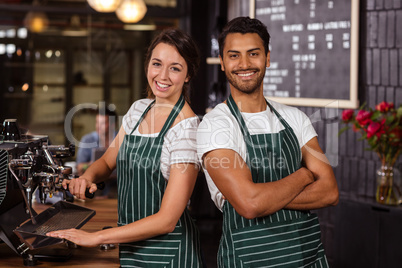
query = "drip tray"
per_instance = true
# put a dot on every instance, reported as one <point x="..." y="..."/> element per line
<point x="62" y="215"/>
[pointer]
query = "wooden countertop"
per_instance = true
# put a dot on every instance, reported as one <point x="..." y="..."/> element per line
<point x="106" y="215"/>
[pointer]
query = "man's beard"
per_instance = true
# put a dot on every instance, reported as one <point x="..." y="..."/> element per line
<point x="249" y="86"/>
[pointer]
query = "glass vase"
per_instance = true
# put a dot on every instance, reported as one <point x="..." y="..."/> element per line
<point x="388" y="186"/>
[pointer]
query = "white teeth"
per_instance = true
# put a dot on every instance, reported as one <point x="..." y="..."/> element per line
<point x="244" y="75"/>
<point x="162" y="85"/>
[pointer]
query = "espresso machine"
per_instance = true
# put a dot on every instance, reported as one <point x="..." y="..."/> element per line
<point x="29" y="163"/>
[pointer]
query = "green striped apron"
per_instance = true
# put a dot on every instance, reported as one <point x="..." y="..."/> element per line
<point x="286" y="238"/>
<point x="141" y="186"/>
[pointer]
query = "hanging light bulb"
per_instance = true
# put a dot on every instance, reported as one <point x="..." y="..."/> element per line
<point x="36" y="21"/>
<point x="131" y="11"/>
<point x="104" y="5"/>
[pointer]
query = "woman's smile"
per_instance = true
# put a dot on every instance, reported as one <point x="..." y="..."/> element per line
<point x="161" y="86"/>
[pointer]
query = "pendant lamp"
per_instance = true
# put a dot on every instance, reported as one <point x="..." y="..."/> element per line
<point x="131" y="11"/>
<point x="36" y="21"/>
<point x="104" y="5"/>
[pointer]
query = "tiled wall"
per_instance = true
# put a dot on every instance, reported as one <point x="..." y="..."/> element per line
<point x="380" y="79"/>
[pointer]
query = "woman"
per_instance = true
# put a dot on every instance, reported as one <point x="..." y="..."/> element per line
<point x="156" y="161"/>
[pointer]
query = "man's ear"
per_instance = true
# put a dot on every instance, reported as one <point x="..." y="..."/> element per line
<point x="221" y="62"/>
<point x="268" y="58"/>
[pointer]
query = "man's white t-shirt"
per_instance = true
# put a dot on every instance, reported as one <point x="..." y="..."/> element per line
<point x="219" y="130"/>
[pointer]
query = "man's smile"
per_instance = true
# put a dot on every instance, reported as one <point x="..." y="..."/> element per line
<point x="245" y="74"/>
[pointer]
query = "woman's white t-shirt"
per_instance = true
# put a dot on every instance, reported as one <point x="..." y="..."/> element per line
<point x="180" y="144"/>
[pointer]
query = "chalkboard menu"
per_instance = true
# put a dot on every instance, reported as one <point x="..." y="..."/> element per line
<point x="313" y="51"/>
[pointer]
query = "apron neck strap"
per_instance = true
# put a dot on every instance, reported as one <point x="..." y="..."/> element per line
<point x="142" y="116"/>
<point x="237" y="114"/>
<point x="283" y="121"/>
<point x="172" y="116"/>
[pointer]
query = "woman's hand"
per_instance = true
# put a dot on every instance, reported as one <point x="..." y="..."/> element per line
<point x="78" y="237"/>
<point x="79" y="185"/>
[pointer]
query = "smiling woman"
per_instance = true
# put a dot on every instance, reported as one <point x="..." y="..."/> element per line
<point x="167" y="72"/>
<point x="188" y="52"/>
<point x="156" y="145"/>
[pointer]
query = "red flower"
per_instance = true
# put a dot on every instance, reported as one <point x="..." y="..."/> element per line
<point x="375" y="128"/>
<point x="347" y="115"/>
<point x="384" y="106"/>
<point x="381" y="128"/>
<point x="363" y="117"/>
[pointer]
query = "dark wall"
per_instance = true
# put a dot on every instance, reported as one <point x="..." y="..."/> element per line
<point x="207" y="19"/>
<point x="380" y="79"/>
<point x="199" y="31"/>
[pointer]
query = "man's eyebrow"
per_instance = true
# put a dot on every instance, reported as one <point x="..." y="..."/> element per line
<point x="250" y="50"/>
<point x="253" y="49"/>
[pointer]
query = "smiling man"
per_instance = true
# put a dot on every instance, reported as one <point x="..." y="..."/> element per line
<point x="263" y="164"/>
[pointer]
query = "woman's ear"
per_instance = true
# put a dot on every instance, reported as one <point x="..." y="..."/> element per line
<point x="187" y="79"/>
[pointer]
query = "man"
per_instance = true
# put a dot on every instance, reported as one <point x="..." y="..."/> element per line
<point x="100" y="138"/>
<point x="263" y="164"/>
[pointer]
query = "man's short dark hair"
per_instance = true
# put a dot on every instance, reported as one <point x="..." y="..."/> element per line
<point x="244" y="25"/>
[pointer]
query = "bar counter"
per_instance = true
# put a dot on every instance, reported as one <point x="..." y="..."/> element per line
<point x="106" y="215"/>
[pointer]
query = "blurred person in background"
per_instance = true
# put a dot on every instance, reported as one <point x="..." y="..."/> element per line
<point x="102" y="137"/>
